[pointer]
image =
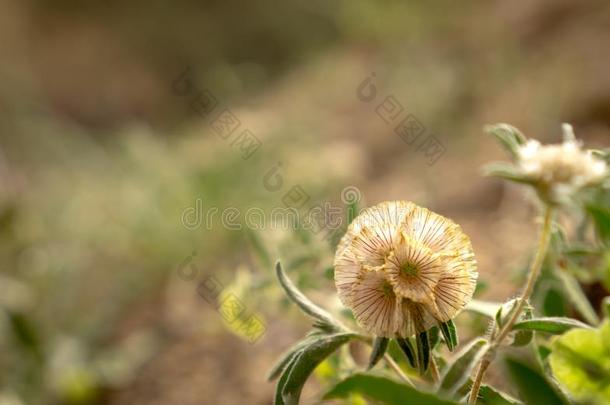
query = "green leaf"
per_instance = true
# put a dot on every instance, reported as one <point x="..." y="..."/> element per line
<point x="488" y="309"/>
<point x="543" y="352"/>
<point x="380" y="345"/>
<point x="278" y="400"/>
<point x="554" y="303"/>
<point x="578" y="250"/>
<point x="579" y="361"/>
<point x="524" y="337"/>
<point x="506" y="171"/>
<point x="601" y="218"/>
<point x="408" y="349"/>
<point x="459" y="371"/>
<point x="449" y="334"/>
<point x="285" y="358"/>
<point x="423" y="352"/>
<point x="498" y="319"/>
<point x="434" y="337"/>
<point x="576" y="295"/>
<point x="382" y="390"/>
<point x="491" y="396"/>
<point x="510" y="137"/>
<point x="505" y="312"/>
<point x="304" y="363"/>
<point x="554" y="325"/>
<point x="532" y="386"/>
<point x="323" y="319"/>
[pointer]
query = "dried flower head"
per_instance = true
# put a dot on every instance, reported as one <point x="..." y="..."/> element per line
<point x="560" y="169"/>
<point x="402" y="269"/>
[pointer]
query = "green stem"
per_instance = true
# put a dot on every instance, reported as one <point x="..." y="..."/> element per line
<point x="534" y="272"/>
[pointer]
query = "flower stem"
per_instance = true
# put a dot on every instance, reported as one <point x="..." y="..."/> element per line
<point x="396" y="368"/>
<point x="436" y="376"/>
<point x="534" y="272"/>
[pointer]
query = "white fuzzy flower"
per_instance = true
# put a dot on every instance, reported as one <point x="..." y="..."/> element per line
<point x="402" y="269"/>
<point x="561" y="168"/>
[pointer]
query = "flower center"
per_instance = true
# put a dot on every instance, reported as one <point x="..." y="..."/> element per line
<point x="388" y="290"/>
<point x="409" y="269"/>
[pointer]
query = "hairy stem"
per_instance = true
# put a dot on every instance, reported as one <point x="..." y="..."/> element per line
<point x="478" y="380"/>
<point x="534" y="272"/>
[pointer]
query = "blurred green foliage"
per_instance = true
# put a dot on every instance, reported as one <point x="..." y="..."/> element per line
<point x="98" y="160"/>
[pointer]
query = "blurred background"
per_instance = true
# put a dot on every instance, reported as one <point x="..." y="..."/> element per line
<point x="123" y="123"/>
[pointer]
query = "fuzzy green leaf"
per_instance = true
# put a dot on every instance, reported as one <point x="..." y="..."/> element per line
<point x="449" y="334"/>
<point x="524" y="337"/>
<point x="459" y="371"/>
<point x="577" y="296"/>
<point x="423" y="352"/>
<point x="382" y="390"/>
<point x="519" y="337"/>
<point x="554" y="325"/>
<point x="304" y="363"/>
<point x="580" y="361"/>
<point x="278" y="400"/>
<point x="510" y="137"/>
<point x="506" y="171"/>
<point x="380" y="345"/>
<point x="505" y="312"/>
<point x="491" y="396"/>
<point x="554" y="302"/>
<point x="323" y="319"/>
<point x="434" y="336"/>
<point x="408" y="349"/>
<point x="532" y="386"/>
<point x="285" y="358"/>
<point x="488" y="309"/>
